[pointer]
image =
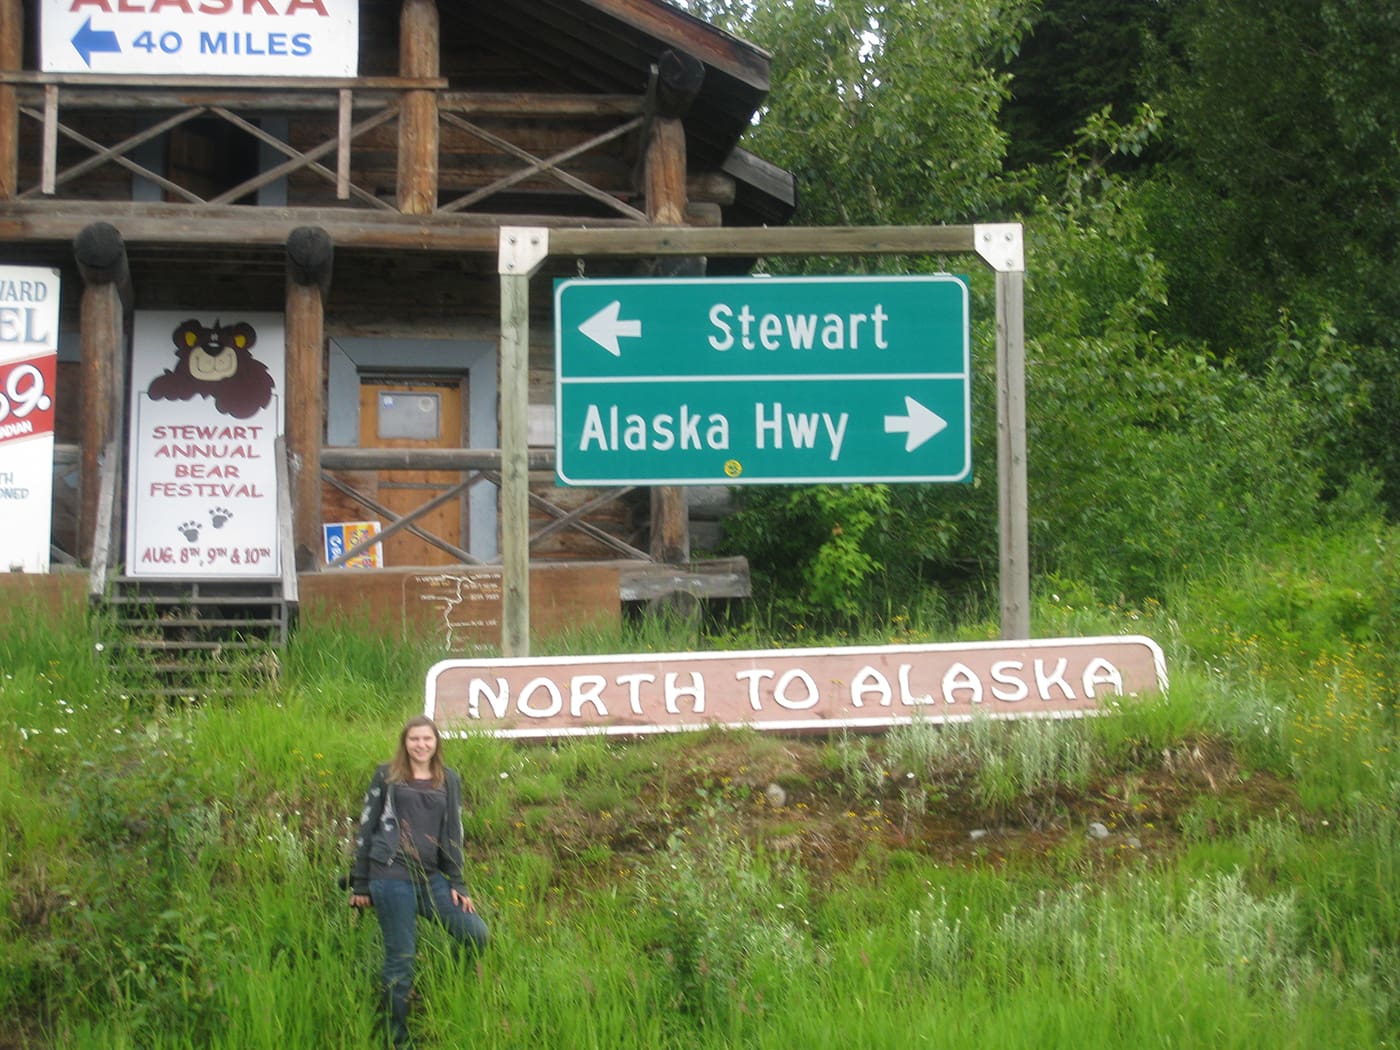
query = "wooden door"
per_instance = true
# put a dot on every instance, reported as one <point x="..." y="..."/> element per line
<point x="416" y="414"/>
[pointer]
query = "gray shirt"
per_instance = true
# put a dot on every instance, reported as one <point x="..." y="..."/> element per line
<point x="420" y="808"/>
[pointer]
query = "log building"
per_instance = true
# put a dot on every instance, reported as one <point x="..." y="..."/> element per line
<point x="351" y="205"/>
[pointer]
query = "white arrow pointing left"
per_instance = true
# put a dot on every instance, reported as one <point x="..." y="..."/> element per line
<point x="919" y="425"/>
<point x="605" y="327"/>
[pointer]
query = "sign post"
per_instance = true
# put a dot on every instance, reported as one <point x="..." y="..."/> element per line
<point x="678" y="381"/>
<point x="999" y="245"/>
<point x="28" y="369"/>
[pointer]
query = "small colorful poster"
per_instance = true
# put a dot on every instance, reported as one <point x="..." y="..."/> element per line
<point x="206" y="413"/>
<point x="342" y="536"/>
<point x="28" y="368"/>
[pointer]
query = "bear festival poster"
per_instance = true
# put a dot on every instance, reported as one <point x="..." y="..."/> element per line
<point x="206" y="412"/>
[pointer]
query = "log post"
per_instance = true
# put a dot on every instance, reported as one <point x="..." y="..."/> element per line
<point x="676" y="83"/>
<point x="11" y="60"/>
<point x="107" y="295"/>
<point x="419" y="42"/>
<point x="310" y="254"/>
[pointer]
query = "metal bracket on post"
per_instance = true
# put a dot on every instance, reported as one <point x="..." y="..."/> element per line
<point x="523" y="249"/>
<point x="1000" y="245"/>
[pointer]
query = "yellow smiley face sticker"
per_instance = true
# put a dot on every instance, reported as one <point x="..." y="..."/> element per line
<point x="733" y="468"/>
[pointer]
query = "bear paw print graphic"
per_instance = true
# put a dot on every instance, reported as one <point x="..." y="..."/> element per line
<point x="219" y="516"/>
<point x="190" y="530"/>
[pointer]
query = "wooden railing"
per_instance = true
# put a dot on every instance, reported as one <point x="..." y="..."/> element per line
<point x="485" y="138"/>
<point x="477" y="465"/>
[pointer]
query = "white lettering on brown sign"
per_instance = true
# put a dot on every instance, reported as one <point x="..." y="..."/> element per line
<point x="792" y="690"/>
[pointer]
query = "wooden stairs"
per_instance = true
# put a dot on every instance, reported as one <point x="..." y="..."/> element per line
<point x="195" y="639"/>
<point x="189" y="639"/>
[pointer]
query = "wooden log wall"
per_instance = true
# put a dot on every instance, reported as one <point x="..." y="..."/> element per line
<point x="11" y="58"/>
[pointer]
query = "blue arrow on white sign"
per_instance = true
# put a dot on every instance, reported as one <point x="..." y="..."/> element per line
<point x="87" y="41"/>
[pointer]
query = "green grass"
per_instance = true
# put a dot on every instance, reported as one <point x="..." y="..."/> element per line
<point x="168" y="875"/>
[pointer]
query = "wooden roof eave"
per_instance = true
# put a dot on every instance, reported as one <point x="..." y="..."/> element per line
<point x="747" y="63"/>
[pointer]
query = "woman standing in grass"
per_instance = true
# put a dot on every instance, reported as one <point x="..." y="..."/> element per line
<point x="408" y="861"/>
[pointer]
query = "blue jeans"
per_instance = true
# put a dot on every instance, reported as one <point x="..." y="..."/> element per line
<point x="398" y="903"/>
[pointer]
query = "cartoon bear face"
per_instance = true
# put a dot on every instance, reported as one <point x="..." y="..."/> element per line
<point x="215" y="362"/>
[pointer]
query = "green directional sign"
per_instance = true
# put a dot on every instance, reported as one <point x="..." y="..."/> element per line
<point x="758" y="380"/>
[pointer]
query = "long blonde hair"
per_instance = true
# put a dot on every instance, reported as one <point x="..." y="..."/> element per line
<point x="401" y="769"/>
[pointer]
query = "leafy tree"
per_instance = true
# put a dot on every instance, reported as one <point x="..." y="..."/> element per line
<point x="1151" y="458"/>
<point x="1277" y="215"/>
<point x="1156" y="446"/>
<point x="886" y="112"/>
<point x="1079" y="58"/>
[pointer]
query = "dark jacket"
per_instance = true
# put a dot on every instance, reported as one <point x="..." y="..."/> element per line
<point x="378" y="837"/>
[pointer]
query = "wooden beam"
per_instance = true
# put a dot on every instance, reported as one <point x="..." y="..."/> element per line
<point x="665" y="172"/>
<point x="344" y="119"/>
<point x="515" y="485"/>
<point x="11" y="59"/>
<point x="679" y="78"/>
<point x="101" y="256"/>
<point x="48" y="152"/>
<point x="102" y="262"/>
<point x="665" y="167"/>
<point x="419" y="43"/>
<point x="1013" y="511"/>
<point x="741" y="60"/>
<point x="407" y="520"/>
<point x="759" y="177"/>
<point x="246" y="87"/>
<point x="427" y="459"/>
<point x="524" y="104"/>
<point x="783" y="240"/>
<point x="60" y="221"/>
<point x="547" y="166"/>
<point x="711" y="578"/>
<point x="711" y="187"/>
<point x="310" y="254"/>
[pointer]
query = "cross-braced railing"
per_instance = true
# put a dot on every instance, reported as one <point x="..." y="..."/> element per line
<point x="339" y="137"/>
<point x="477" y="466"/>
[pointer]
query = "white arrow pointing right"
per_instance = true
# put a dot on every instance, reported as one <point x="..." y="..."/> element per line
<point x="920" y="424"/>
<point x="605" y="327"/>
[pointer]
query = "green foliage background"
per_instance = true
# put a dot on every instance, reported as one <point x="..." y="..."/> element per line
<point x="1212" y="339"/>
<point x="1211" y="310"/>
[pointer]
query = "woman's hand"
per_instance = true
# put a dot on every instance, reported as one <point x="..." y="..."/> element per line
<point x="360" y="900"/>
<point x="462" y="901"/>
